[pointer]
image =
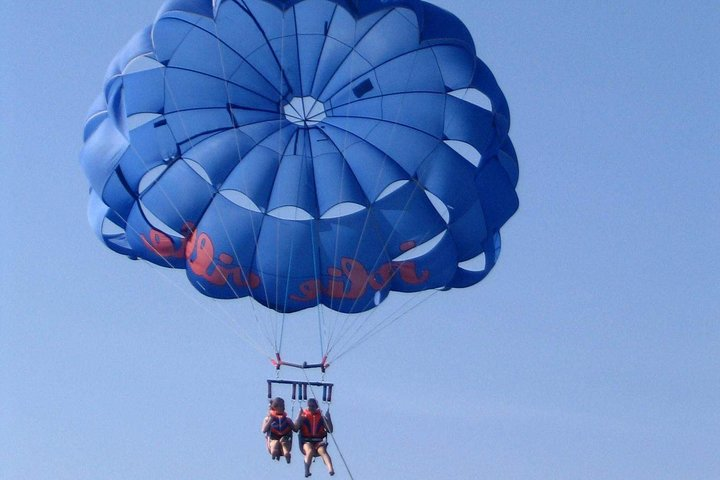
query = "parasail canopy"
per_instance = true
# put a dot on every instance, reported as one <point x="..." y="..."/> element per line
<point x="303" y="152"/>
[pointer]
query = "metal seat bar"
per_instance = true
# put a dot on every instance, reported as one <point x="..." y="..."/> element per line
<point x="300" y="389"/>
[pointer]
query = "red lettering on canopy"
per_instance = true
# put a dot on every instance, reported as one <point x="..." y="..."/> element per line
<point x="352" y="280"/>
<point x="349" y="282"/>
<point x="163" y="245"/>
<point x="200" y="253"/>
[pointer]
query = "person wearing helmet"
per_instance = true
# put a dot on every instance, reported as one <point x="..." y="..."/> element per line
<point x="278" y="429"/>
<point x="314" y="428"/>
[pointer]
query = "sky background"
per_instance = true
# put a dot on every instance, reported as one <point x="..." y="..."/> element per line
<point x="591" y="352"/>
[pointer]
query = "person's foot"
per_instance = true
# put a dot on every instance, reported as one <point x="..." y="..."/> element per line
<point x="287" y="457"/>
<point x="331" y="472"/>
<point x="307" y="474"/>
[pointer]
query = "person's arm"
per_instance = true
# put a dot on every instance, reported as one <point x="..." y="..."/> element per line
<point x="266" y="425"/>
<point x="298" y="422"/>
<point x="328" y="422"/>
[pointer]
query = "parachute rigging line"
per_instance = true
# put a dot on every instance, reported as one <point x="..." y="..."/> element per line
<point x="397" y="221"/>
<point x="243" y="336"/>
<point x="238" y="331"/>
<point x="278" y="338"/>
<point x="392" y="135"/>
<point x="332" y="435"/>
<point x="401" y="312"/>
<point x="184" y="126"/>
<point x="221" y="217"/>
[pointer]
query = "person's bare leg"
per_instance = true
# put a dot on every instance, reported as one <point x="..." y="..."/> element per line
<point x="309" y="454"/>
<point x="274" y="447"/>
<point x="286" y="448"/>
<point x="322" y="451"/>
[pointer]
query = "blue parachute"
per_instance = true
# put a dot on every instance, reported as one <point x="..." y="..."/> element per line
<point x="303" y="152"/>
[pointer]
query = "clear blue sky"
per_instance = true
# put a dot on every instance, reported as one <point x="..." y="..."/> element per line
<point x="591" y="352"/>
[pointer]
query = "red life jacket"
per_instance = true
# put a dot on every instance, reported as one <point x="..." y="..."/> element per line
<point x="280" y="425"/>
<point x="312" y="426"/>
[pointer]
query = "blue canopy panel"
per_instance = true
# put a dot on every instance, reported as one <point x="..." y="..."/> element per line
<point x="108" y="226"/>
<point x="303" y="152"/>
<point x="152" y="243"/>
<point x="222" y="250"/>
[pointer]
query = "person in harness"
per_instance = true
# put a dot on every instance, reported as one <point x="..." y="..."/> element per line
<point x="278" y="429"/>
<point x="314" y="428"/>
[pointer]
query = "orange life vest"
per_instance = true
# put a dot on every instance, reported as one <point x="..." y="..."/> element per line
<point x="280" y="425"/>
<point x="312" y="426"/>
